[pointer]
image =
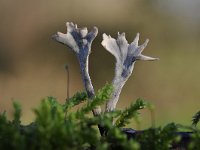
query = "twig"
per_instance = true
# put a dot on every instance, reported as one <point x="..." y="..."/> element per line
<point x="68" y="80"/>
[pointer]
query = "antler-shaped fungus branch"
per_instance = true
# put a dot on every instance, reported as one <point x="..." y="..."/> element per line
<point x="126" y="56"/>
<point x="79" y="40"/>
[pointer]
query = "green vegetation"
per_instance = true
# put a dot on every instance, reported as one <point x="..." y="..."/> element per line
<point x="58" y="127"/>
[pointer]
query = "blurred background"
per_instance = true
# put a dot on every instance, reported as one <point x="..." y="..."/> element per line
<point x="32" y="64"/>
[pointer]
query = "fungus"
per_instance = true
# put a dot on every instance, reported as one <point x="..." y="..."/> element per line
<point x="79" y="41"/>
<point x="126" y="55"/>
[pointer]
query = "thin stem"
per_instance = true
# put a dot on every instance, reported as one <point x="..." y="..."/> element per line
<point x="118" y="85"/>
<point x="87" y="83"/>
<point x="121" y="76"/>
<point x="68" y="80"/>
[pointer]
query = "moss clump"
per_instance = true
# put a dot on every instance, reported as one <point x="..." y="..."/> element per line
<point x="57" y="127"/>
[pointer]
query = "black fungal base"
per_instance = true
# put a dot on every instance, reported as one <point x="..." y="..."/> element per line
<point x="182" y="144"/>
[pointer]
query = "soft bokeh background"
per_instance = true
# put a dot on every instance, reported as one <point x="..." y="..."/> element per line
<point x="32" y="64"/>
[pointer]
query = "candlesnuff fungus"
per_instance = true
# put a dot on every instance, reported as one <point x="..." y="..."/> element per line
<point x="126" y="56"/>
<point x="79" y="40"/>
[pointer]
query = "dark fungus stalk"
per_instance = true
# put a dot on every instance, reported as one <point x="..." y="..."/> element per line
<point x="126" y="56"/>
<point x="79" y="40"/>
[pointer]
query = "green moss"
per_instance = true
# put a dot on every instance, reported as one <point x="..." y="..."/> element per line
<point x="56" y="127"/>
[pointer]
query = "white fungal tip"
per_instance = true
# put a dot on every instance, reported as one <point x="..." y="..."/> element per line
<point x="123" y="34"/>
<point x="83" y="32"/>
<point x="104" y="36"/>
